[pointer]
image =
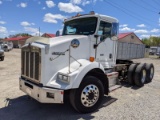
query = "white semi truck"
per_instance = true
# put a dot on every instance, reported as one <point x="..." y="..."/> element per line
<point x="82" y="63"/>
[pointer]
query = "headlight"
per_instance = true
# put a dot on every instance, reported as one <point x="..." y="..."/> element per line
<point x="64" y="78"/>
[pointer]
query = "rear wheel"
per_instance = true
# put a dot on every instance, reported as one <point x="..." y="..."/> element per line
<point x="87" y="98"/>
<point x="140" y="75"/>
<point x="131" y="73"/>
<point x="150" y="72"/>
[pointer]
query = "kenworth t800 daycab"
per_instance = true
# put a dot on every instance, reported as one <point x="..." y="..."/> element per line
<point x="82" y="63"/>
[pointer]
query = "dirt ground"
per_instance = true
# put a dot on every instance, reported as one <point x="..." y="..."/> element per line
<point x="126" y="103"/>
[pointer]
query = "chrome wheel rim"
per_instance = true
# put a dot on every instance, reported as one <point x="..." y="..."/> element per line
<point x="89" y="95"/>
<point x="151" y="73"/>
<point x="143" y="76"/>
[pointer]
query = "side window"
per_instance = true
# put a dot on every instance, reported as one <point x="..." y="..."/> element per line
<point x="106" y="29"/>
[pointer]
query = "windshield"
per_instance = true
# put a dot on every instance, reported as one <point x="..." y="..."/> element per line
<point x="83" y="26"/>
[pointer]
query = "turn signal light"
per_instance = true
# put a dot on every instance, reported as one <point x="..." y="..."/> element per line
<point x="91" y="59"/>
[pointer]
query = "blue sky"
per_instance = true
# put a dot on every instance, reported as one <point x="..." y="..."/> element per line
<point x="26" y="16"/>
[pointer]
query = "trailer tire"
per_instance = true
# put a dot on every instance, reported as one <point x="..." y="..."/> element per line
<point x="131" y="73"/>
<point x="88" y="97"/>
<point x="140" y="75"/>
<point x="150" y="72"/>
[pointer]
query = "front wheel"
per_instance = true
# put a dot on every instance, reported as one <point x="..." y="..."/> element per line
<point x="88" y="97"/>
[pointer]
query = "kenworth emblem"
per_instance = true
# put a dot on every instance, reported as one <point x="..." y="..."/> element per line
<point x="58" y="53"/>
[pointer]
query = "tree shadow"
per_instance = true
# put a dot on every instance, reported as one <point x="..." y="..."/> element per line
<point x="26" y="108"/>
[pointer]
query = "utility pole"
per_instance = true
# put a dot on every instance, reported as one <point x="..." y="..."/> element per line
<point x="39" y="32"/>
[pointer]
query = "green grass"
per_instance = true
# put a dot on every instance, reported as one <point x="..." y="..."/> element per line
<point x="154" y="56"/>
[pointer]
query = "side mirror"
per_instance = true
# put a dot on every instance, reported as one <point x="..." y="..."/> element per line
<point x="114" y="31"/>
<point x="75" y="43"/>
<point x="57" y="33"/>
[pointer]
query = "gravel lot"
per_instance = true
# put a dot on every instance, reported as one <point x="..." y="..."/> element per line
<point x="126" y="103"/>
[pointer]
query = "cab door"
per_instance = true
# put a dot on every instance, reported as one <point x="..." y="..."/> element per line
<point x="105" y="50"/>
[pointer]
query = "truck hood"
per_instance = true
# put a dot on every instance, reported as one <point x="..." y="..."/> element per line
<point x="55" y="40"/>
<point x="58" y="55"/>
<point x="66" y="39"/>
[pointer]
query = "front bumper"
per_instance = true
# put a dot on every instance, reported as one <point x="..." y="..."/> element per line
<point x="41" y="94"/>
<point x="1" y="55"/>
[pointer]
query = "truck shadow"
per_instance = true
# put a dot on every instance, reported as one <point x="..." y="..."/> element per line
<point x="125" y="84"/>
<point x="25" y="108"/>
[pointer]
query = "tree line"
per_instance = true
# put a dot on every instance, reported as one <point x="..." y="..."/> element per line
<point x="151" y="41"/>
<point x="20" y="34"/>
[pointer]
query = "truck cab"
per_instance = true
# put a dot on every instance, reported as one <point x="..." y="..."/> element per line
<point x="80" y="63"/>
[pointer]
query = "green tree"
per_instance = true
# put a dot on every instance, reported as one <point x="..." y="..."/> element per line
<point x="152" y="41"/>
<point x="21" y="34"/>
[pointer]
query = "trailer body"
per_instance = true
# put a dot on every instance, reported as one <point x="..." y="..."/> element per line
<point x="128" y="51"/>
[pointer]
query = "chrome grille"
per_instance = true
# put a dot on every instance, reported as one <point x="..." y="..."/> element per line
<point x="31" y="63"/>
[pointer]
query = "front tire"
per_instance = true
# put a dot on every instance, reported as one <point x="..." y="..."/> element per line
<point x="88" y="97"/>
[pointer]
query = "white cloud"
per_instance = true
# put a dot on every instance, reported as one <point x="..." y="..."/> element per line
<point x="147" y="35"/>
<point x="3" y="30"/>
<point x="13" y="31"/>
<point x="126" y="29"/>
<point x="155" y="30"/>
<point x="123" y="25"/>
<point x="69" y="7"/>
<point x="0" y="2"/>
<point x="44" y="8"/>
<point x="50" y="3"/>
<point x="85" y="2"/>
<point x="141" y="31"/>
<point x="144" y="36"/>
<point x="2" y="22"/>
<point x="52" y="18"/>
<point x="155" y="35"/>
<point x="82" y="2"/>
<point x="25" y="23"/>
<point x="76" y="1"/>
<point x="141" y="25"/>
<point x="94" y="1"/>
<point x="23" y="5"/>
<point x="33" y="31"/>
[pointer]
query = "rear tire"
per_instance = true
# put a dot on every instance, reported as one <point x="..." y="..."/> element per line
<point x="88" y="97"/>
<point x="140" y="75"/>
<point x="131" y="73"/>
<point x="150" y="72"/>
